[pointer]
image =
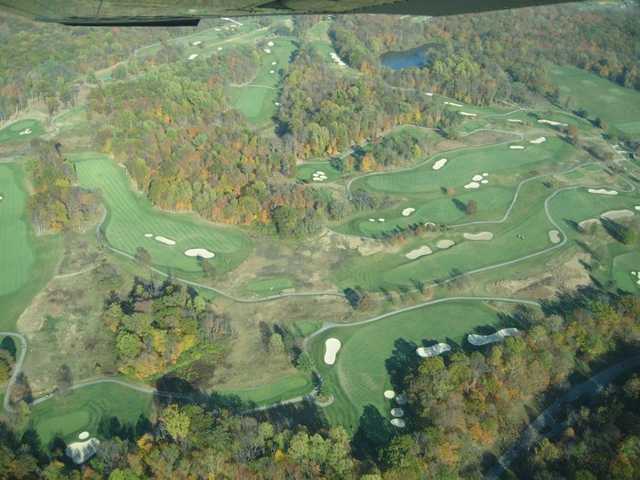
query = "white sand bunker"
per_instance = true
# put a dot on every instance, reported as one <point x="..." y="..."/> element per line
<point x="472" y="185"/>
<point x="1" y="198"/>
<point x="148" y="235"/>
<point x="80" y="452"/>
<point x="196" y="43"/>
<point x="337" y="59"/>
<point x="398" y="423"/>
<point x="444" y="244"/>
<point x="26" y="131"/>
<point x="401" y="399"/>
<point x="552" y="123"/>
<point x="429" y="94"/>
<point x="477" y="178"/>
<point x="467" y="114"/>
<point x="637" y="207"/>
<point x="165" y="240"/>
<point x="602" y="191"/>
<point x="500" y="335"/>
<point x="83" y="435"/>
<point x="539" y="140"/>
<point x="199" y="252"/>
<point x="408" y="211"/>
<point x="272" y="72"/>
<point x="554" y="236"/>
<point x="389" y="394"/>
<point x="418" y="252"/>
<point x="270" y="44"/>
<point x="484" y="182"/>
<point x="381" y="220"/>
<point x="589" y="221"/>
<point x="397" y="412"/>
<point x="614" y="214"/>
<point x="433" y="351"/>
<point x="319" y="176"/>
<point x="439" y="164"/>
<point x="274" y="63"/>
<point x="332" y="346"/>
<point x="193" y="56"/>
<point x="219" y="48"/>
<point x="514" y="120"/>
<point x="372" y="219"/>
<point x="453" y="104"/>
<point x="481" y="236"/>
<point x="636" y="276"/>
<point x="516" y="147"/>
<point x="267" y="50"/>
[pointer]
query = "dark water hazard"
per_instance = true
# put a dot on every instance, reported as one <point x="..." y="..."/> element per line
<point x="416" y="58"/>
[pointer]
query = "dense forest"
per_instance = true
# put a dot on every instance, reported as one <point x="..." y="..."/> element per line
<point x="462" y="408"/>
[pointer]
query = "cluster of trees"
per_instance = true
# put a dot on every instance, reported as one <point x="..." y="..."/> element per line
<point x="156" y="328"/>
<point x="8" y="352"/>
<point x="56" y="203"/>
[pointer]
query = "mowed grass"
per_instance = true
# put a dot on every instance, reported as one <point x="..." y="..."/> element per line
<point x="288" y="387"/>
<point x="616" y="105"/>
<point x="11" y="133"/>
<point x="305" y="171"/>
<point x="573" y="206"/>
<point x="361" y="372"/>
<point x="622" y="267"/>
<point x="422" y="187"/>
<point x="131" y="216"/>
<point x="269" y="286"/>
<point x="82" y="409"/>
<point x="257" y="100"/>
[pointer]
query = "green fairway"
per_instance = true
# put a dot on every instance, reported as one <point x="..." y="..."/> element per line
<point x="306" y="170"/>
<point x="21" y="131"/>
<point x="131" y="217"/>
<point x="283" y="389"/>
<point x="257" y="100"/>
<point x="361" y="372"/>
<point x="577" y="205"/>
<point x="269" y="286"/>
<point x="82" y="410"/>
<point x="623" y="265"/>
<point x="616" y="105"/>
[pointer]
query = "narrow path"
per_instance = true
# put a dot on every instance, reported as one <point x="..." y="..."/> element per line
<point x="547" y="419"/>
<point x="16" y="369"/>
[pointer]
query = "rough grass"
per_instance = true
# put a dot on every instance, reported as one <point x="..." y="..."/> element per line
<point x="361" y="372"/>
<point x="11" y="133"/>
<point x="618" y="106"/>
<point x="131" y="216"/>
<point x="288" y="387"/>
<point x="83" y="409"/>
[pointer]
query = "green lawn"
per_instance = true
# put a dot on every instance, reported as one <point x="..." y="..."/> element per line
<point x="623" y="265"/>
<point x="305" y="171"/>
<point x="577" y="205"/>
<point x="283" y="389"/>
<point x="361" y="372"/>
<point x="82" y="410"/>
<point x="618" y="106"/>
<point x="11" y="133"/>
<point x="131" y="217"/>
<point x="268" y="286"/>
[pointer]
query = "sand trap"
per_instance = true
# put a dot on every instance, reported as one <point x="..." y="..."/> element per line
<point x="192" y="56"/>
<point x="514" y="120"/>
<point x="485" y="174"/>
<point x="397" y="412"/>
<point x="381" y="220"/>
<point x="267" y="50"/>
<point x="270" y="44"/>
<point x="199" y="252"/>
<point x="372" y="219"/>
<point x="274" y="63"/>
<point x="196" y="43"/>
<point x="552" y="123"/>
<point x="83" y="435"/>
<point x="539" y="140"/>
<point x="277" y="104"/>
<point x="80" y="452"/>
<point x="444" y="244"/>
<point x="434" y="350"/>
<point x="637" y="207"/>
<point x="481" y="236"/>
<point x="516" y="147"/>
<point x="26" y="131"/>
<point x="554" y="236"/>
<point x="467" y="114"/>
<point x="479" y="340"/>
<point x="401" y="399"/>
<point x="408" y="211"/>
<point x="332" y="346"/>
<point x="602" y="191"/>
<point x="336" y="58"/>
<point x="472" y="185"/>
<point x="1" y="198"/>
<point x="477" y="178"/>
<point x="439" y="164"/>
<point x="219" y="48"/>
<point x="453" y="104"/>
<point x="319" y="176"/>
<point x="217" y="29"/>
<point x="484" y="182"/>
<point x="418" y="252"/>
<point x="614" y="214"/>
<point x="148" y="235"/>
<point x="398" y="423"/>
<point x="589" y="221"/>
<point x="272" y="72"/>
<point x="389" y="394"/>
<point x="429" y="94"/>
<point x="165" y="240"/>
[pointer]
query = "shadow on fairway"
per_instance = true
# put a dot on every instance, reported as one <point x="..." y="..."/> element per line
<point x="373" y="434"/>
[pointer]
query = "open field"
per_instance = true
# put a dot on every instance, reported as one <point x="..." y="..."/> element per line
<point x="616" y="105"/>
<point x="131" y="217"/>
<point x="372" y="353"/>
<point x="83" y="409"/>
<point x="29" y="128"/>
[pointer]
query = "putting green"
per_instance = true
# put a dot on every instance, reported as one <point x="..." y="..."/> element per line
<point x="306" y="170"/>
<point x="132" y="216"/>
<point x="12" y="133"/>
<point x="360" y="375"/>
<point x="616" y="105"/>
<point x="83" y="409"/>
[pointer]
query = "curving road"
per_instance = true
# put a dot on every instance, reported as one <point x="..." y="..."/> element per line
<point x="17" y="368"/>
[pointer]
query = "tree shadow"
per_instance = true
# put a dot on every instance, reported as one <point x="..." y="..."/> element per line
<point x="373" y="434"/>
<point x="291" y="415"/>
<point x="575" y="226"/>
<point x="403" y="361"/>
<point x="460" y="205"/>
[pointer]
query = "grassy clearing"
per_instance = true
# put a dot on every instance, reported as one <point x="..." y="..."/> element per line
<point x="616" y="105"/>
<point x="269" y="286"/>
<point x="305" y="171"/>
<point x="11" y="133"/>
<point x="361" y="373"/>
<point x="83" y="409"/>
<point x="622" y="267"/>
<point x="131" y="216"/>
<point x="257" y="100"/>
<point x="283" y="389"/>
